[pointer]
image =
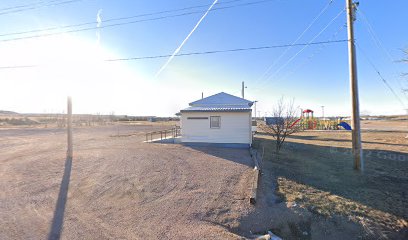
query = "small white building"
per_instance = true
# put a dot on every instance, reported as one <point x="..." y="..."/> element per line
<point x="221" y="119"/>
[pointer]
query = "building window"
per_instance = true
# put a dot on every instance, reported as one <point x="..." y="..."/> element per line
<point x="215" y="122"/>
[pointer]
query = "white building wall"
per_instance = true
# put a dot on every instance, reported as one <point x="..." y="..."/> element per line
<point x="235" y="128"/>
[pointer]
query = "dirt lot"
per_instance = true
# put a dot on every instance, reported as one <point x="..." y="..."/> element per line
<point x="320" y="196"/>
<point x="117" y="187"/>
<point x="385" y="125"/>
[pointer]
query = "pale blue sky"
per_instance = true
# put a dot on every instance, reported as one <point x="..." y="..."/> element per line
<point x="70" y="63"/>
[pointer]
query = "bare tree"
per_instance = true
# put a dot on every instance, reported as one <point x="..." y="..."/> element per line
<point x="283" y="122"/>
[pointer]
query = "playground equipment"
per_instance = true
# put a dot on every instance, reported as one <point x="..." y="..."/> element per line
<point x="307" y="113"/>
<point x="293" y="124"/>
<point x="345" y="125"/>
<point x="308" y="122"/>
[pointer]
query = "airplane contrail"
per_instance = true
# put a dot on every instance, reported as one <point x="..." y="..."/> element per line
<point x="98" y="24"/>
<point x="185" y="40"/>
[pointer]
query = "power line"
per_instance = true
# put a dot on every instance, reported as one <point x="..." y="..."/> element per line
<point x="379" y="44"/>
<point x="308" y="59"/>
<point x="195" y="53"/>
<point x="131" y="22"/>
<point x="180" y="9"/>
<point x="27" y="7"/>
<point x="302" y="49"/>
<point x="115" y="19"/>
<point x="227" y="50"/>
<point x="324" y="9"/>
<point x="380" y="75"/>
<point x="185" y="39"/>
<point x="377" y="41"/>
<point x="22" y="6"/>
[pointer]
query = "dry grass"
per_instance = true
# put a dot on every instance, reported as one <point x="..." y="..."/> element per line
<point x="327" y="204"/>
<point x="314" y="170"/>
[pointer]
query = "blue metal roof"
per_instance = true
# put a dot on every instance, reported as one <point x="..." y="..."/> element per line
<point x="217" y="109"/>
<point x="221" y="102"/>
<point x="221" y="98"/>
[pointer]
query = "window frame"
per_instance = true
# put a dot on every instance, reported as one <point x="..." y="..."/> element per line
<point x="219" y="122"/>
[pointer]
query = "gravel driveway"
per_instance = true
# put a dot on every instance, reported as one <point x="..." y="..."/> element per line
<point x="118" y="187"/>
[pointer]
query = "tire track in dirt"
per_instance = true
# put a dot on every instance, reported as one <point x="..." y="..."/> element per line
<point x="120" y="188"/>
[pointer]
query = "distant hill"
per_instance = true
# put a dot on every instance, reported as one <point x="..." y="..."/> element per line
<point x="7" y="112"/>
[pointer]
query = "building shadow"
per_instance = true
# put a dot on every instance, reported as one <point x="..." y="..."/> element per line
<point x="341" y="140"/>
<point x="237" y="155"/>
<point x="58" y="219"/>
<point x="382" y="186"/>
<point x="315" y="174"/>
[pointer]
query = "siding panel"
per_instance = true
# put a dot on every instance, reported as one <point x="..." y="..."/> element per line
<point x="235" y="127"/>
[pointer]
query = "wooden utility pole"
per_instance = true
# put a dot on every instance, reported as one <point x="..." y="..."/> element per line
<point x="255" y="108"/>
<point x="242" y="91"/>
<point x="322" y="112"/>
<point x="69" y="128"/>
<point x="355" y="116"/>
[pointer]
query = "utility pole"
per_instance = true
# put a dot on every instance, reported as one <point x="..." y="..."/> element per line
<point x="322" y="112"/>
<point x="69" y="128"/>
<point x="355" y="116"/>
<point x="243" y="91"/>
<point x="202" y="95"/>
<point x="255" y="108"/>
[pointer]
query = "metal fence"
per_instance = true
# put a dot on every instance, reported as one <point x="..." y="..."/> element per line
<point x="163" y="134"/>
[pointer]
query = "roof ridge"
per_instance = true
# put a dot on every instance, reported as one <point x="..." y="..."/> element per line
<point x="221" y="98"/>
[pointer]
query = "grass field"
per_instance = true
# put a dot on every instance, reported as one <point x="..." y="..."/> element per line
<point x="314" y="174"/>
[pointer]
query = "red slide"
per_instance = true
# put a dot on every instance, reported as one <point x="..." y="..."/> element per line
<point x="293" y="124"/>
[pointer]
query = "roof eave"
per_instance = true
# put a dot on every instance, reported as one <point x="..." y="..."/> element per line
<point x="214" y="110"/>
